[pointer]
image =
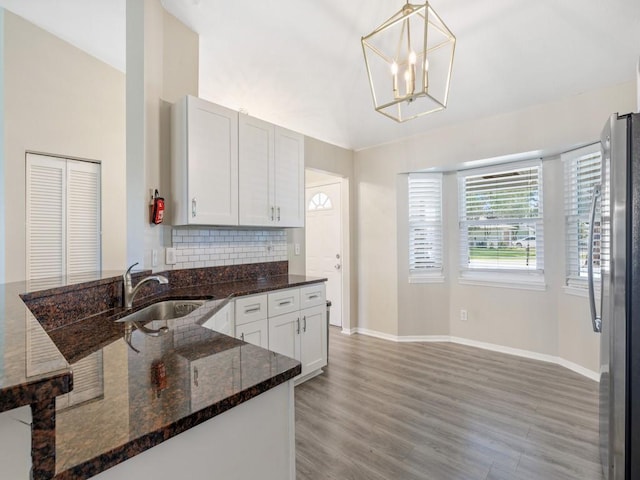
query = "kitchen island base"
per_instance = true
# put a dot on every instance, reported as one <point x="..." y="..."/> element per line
<point x="255" y="439"/>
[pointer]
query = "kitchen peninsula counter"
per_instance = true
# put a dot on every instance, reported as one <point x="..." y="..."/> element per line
<point x="136" y="392"/>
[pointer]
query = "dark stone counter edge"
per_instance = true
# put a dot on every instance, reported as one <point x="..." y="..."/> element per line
<point x="109" y="459"/>
<point x="38" y="390"/>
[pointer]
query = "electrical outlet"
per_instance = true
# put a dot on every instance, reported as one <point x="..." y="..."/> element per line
<point x="170" y="256"/>
<point x="154" y="258"/>
<point x="297" y="248"/>
<point x="463" y="316"/>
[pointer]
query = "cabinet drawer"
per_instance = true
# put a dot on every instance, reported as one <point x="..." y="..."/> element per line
<point x="251" y="308"/>
<point x="284" y="301"/>
<point x="312" y="295"/>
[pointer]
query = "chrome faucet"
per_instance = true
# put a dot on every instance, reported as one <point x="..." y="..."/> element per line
<point x="129" y="291"/>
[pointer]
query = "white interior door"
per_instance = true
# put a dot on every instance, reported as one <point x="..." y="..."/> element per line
<point x="323" y="237"/>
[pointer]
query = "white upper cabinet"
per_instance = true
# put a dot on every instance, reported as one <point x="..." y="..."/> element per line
<point x="289" y="178"/>
<point x="204" y="167"/>
<point x="256" y="165"/>
<point x="271" y="179"/>
<point x="233" y="170"/>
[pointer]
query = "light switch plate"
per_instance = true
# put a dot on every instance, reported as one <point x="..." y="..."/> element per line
<point x="154" y="258"/>
<point x="170" y="256"/>
<point x="297" y="248"/>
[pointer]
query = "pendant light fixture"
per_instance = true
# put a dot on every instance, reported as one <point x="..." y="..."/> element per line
<point x="409" y="60"/>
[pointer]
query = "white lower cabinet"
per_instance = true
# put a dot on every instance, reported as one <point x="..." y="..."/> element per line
<point x="284" y="334"/>
<point x="251" y="320"/>
<point x="256" y="333"/>
<point x="301" y="333"/>
<point x="313" y="339"/>
<point x="291" y="321"/>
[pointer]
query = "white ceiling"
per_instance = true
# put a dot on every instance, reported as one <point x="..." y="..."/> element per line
<point x="298" y="63"/>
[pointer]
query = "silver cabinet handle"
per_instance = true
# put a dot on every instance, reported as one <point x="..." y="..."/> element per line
<point x="273" y="217"/>
<point x="195" y="376"/>
<point x="596" y="320"/>
<point x="242" y="336"/>
<point x="304" y="323"/>
<point x="311" y="297"/>
<point x="298" y="326"/>
<point x="252" y="310"/>
<point x="278" y="213"/>
<point x="286" y="302"/>
<point x="194" y="207"/>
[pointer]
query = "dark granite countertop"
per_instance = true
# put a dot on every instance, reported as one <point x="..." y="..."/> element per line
<point x="124" y="402"/>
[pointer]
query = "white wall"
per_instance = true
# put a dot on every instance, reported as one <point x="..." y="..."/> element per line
<point x="549" y="322"/>
<point x="162" y="66"/>
<point x="324" y="157"/>
<point x="61" y="101"/>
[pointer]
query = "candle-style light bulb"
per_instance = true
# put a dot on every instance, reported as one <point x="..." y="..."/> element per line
<point x="407" y="81"/>
<point x="394" y="73"/>
<point x="411" y="72"/>
<point x="426" y="72"/>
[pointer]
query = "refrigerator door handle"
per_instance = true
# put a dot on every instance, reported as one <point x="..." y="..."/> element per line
<point x="596" y="320"/>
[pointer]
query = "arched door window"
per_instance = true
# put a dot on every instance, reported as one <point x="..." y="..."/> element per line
<point x="320" y="201"/>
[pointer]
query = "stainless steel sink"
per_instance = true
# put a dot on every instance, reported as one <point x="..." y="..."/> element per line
<point x="167" y="310"/>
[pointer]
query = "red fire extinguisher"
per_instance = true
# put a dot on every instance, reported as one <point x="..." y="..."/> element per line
<point x="157" y="212"/>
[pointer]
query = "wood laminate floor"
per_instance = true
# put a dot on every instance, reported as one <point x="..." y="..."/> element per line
<point x="442" y="411"/>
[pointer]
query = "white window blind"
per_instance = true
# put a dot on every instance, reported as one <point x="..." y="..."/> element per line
<point x="63" y="217"/>
<point x="425" y="226"/>
<point x="501" y="221"/>
<point x="582" y="170"/>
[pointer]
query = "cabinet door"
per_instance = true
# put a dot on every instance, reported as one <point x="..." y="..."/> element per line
<point x="256" y="333"/>
<point x="313" y="344"/>
<point x="212" y="153"/>
<point x="255" y="187"/>
<point x="284" y="334"/>
<point x="289" y="178"/>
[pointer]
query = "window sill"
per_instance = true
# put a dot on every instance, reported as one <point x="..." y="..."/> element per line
<point x="576" y="291"/>
<point x="427" y="279"/>
<point x="525" y="281"/>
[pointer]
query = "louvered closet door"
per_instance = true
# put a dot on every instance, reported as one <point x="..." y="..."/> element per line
<point x="83" y="217"/>
<point x="63" y="238"/>
<point x="46" y="222"/>
<point x="63" y="217"/>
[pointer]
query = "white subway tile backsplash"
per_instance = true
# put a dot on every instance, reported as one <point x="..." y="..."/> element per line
<point x="201" y="247"/>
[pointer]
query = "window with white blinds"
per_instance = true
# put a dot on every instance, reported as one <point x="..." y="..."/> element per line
<point x="63" y="217"/>
<point x="501" y="220"/>
<point x="425" y="226"/>
<point x="582" y="171"/>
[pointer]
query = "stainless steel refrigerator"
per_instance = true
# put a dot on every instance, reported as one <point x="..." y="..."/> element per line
<point x="614" y="294"/>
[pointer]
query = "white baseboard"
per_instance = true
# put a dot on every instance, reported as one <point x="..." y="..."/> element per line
<point x="349" y="331"/>
<point x="485" y="346"/>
